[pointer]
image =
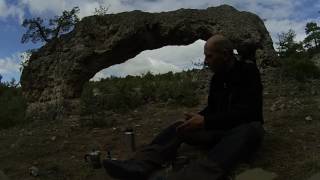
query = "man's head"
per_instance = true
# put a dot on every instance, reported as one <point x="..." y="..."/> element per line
<point x="218" y="52"/>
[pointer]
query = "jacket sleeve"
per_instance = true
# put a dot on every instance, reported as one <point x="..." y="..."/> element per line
<point x="245" y="103"/>
<point x="206" y="110"/>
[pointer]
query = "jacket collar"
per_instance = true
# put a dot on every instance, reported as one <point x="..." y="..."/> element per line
<point x="227" y="76"/>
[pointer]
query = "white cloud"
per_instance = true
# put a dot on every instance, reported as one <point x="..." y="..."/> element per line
<point x="41" y="6"/>
<point x="3" y="7"/>
<point x="277" y="26"/>
<point x="266" y="9"/>
<point x="181" y="56"/>
<point x="9" y="67"/>
<point x="8" y="10"/>
<point x="162" y="60"/>
<point x="137" y="67"/>
<point x="55" y="7"/>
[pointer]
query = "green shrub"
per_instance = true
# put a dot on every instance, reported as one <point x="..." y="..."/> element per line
<point x="300" y="68"/>
<point x="12" y="106"/>
<point x="124" y="94"/>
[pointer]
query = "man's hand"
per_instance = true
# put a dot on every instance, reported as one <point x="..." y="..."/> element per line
<point x="193" y="121"/>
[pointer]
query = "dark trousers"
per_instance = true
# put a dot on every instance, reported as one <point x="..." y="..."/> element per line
<point x="226" y="148"/>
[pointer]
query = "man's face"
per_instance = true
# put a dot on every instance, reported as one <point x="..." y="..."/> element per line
<point x="214" y="58"/>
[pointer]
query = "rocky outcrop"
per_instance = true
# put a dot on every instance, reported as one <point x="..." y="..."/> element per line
<point x="56" y="73"/>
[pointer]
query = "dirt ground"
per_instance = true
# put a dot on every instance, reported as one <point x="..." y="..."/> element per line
<point x="290" y="149"/>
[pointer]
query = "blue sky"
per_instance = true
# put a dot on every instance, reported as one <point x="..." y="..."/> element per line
<point x="280" y="15"/>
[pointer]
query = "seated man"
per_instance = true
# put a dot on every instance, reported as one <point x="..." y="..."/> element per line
<point x="230" y="126"/>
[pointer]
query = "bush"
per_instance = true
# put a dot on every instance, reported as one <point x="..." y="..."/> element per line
<point x="124" y="94"/>
<point x="12" y="106"/>
<point x="300" y="68"/>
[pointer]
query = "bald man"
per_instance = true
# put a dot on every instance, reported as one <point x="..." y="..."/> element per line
<point x="229" y="127"/>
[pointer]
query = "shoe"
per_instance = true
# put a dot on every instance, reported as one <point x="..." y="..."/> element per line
<point x="201" y="170"/>
<point x="128" y="169"/>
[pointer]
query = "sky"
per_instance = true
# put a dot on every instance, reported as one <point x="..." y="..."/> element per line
<point x="279" y="16"/>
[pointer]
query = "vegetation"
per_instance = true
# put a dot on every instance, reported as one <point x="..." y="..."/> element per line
<point x="286" y="44"/>
<point x="300" y="69"/>
<point x="295" y="57"/>
<point x="313" y="35"/>
<point x="102" y="10"/>
<point x="112" y="95"/>
<point x="38" y="31"/>
<point x="12" y="105"/>
<point x="124" y="94"/>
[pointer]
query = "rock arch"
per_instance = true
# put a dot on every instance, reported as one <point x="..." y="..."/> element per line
<point x="57" y="72"/>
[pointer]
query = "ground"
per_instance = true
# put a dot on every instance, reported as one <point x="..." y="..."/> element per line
<point x="290" y="149"/>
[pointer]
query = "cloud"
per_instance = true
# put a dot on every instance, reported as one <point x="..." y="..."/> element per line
<point x="182" y="56"/>
<point x="266" y="9"/>
<point x="137" y="67"/>
<point x="277" y="26"/>
<point x="9" y="67"/>
<point x="41" y="7"/>
<point x="56" y="7"/>
<point x="10" y="11"/>
<point x="271" y="10"/>
<point x="162" y="60"/>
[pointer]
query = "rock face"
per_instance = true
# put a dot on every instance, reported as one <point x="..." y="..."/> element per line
<point x="56" y="73"/>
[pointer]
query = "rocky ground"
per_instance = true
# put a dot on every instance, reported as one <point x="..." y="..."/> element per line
<point x="54" y="151"/>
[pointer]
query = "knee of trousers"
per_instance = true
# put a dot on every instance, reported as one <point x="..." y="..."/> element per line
<point x="252" y="131"/>
<point x="255" y="132"/>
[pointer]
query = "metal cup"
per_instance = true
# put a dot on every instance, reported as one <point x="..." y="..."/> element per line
<point x="93" y="158"/>
<point x="129" y="140"/>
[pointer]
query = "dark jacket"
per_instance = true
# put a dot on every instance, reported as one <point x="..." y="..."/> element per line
<point x="234" y="98"/>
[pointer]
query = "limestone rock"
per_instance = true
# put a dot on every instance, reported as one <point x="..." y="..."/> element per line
<point x="56" y="73"/>
<point x="308" y="118"/>
<point x="34" y="171"/>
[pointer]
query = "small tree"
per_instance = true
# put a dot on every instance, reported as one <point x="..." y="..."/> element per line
<point x="38" y="31"/>
<point x="13" y="83"/>
<point x="287" y="45"/>
<point x="313" y="35"/>
<point x="199" y="64"/>
<point x="102" y="10"/>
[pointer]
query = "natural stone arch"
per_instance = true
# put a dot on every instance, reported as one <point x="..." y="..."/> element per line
<point x="56" y="73"/>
